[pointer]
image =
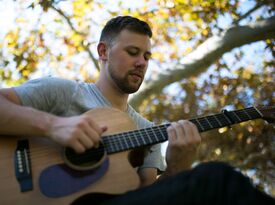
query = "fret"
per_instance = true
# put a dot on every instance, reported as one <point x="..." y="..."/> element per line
<point x="249" y="117"/>
<point x="213" y="121"/>
<point x="149" y="136"/>
<point x="139" y="143"/>
<point x="154" y="134"/>
<point x="145" y="136"/>
<point x="126" y="142"/>
<point x="198" y="123"/>
<point x="161" y="132"/>
<point x="141" y="137"/>
<point x="208" y="122"/>
<point x="118" y="143"/>
<point x="227" y="119"/>
<point x="109" y="146"/>
<point x="114" y="143"/>
<point x="242" y="115"/>
<point x="234" y="114"/>
<point x="204" y="123"/>
<point x="164" y="132"/>
<point x="257" y="112"/>
<point x="134" y="139"/>
<point x="130" y="140"/>
<point x="216" y="118"/>
<point x="162" y="135"/>
<point x="123" y="142"/>
<point x="252" y="113"/>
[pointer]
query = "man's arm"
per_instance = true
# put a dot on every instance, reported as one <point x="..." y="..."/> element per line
<point x="184" y="139"/>
<point x="16" y="119"/>
<point x="147" y="176"/>
<point x="79" y="132"/>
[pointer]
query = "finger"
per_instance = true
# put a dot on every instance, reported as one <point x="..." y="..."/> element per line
<point x="171" y="134"/>
<point x="86" y="140"/>
<point x="94" y="131"/>
<point x="96" y="127"/>
<point x="186" y="126"/>
<point x="192" y="134"/>
<point x="195" y="132"/>
<point x="78" y="147"/>
<point x="93" y="136"/>
<point x="180" y="131"/>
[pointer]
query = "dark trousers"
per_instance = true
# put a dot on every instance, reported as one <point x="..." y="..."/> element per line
<point x="208" y="183"/>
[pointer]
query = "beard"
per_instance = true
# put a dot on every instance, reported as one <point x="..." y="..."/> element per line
<point x="123" y="83"/>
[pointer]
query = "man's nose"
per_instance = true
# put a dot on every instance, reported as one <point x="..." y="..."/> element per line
<point x="141" y="61"/>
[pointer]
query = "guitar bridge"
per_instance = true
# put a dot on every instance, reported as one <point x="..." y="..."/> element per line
<point x="23" y="165"/>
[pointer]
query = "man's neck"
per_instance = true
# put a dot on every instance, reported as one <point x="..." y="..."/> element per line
<point x="113" y="95"/>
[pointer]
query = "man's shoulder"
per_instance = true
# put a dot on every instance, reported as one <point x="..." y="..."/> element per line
<point x="56" y="83"/>
<point x="54" y="80"/>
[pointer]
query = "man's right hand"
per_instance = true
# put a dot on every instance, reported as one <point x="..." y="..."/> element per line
<point x="78" y="132"/>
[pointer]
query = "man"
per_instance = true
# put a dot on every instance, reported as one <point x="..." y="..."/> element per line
<point x="52" y="108"/>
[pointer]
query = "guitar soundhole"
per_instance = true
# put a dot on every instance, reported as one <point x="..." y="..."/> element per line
<point x="90" y="159"/>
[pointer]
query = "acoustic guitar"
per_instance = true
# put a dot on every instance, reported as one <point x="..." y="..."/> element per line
<point x="35" y="170"/>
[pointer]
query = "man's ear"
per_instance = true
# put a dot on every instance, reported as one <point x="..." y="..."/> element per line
<point x="102" y="51"/>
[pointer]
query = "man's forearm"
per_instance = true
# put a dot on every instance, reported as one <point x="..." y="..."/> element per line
<point x="16" y="119"/>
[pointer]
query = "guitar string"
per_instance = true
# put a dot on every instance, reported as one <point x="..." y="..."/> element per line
<point x="130" y="135"/>
<point x="113" y="141"/>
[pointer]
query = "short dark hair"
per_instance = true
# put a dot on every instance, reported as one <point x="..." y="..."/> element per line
<point x="114" y="26"/>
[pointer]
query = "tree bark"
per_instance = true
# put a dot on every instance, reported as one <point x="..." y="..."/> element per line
<point x="206" y="54"/>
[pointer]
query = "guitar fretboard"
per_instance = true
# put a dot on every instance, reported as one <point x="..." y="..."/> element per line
<point x="152" y="135"/>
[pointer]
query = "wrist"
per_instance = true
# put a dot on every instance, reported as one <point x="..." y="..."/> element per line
<point x="43" y="123"/>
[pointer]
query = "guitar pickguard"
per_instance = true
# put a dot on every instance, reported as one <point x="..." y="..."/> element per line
<point x="60" y="180"/>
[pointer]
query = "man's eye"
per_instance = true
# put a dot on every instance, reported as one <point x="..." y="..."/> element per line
<point x="132" y="53"/>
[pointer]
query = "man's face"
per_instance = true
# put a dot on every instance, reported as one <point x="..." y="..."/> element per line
<point x="128" y="59"/>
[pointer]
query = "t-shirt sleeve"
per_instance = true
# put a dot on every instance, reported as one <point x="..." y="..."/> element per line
<point x="154" y="159"/>
<point x="49" y="94"/>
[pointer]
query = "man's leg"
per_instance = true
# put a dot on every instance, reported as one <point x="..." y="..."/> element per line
<point x="208" y="183"/>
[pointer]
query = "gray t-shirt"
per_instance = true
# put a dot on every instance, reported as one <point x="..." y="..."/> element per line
<point x="69" y="98"/>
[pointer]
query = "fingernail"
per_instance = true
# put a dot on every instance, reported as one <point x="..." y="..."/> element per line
<point x="104" y="128"/>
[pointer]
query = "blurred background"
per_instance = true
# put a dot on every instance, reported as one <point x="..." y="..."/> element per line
<point x="207" y="56"/>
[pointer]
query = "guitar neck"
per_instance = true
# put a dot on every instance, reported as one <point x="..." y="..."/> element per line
<point x="153" y="135"/>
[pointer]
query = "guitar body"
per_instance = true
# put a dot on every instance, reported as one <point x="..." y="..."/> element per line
<point x="119" y="177"/>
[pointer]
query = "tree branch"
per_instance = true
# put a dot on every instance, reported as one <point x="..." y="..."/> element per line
<point x="256" y="7"/>
<point x="206" y="54"/>
<point x="86" y="47"/>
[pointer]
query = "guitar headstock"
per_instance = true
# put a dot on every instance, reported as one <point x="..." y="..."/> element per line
<point x="268" y="113"/>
